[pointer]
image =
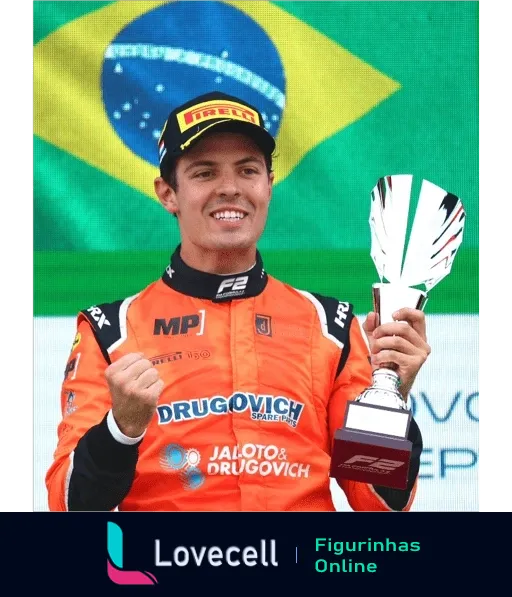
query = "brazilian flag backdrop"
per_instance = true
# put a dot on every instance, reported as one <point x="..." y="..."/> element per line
<point x="352" y="90"/>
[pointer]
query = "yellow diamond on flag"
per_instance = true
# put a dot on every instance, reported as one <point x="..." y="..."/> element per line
<point x="327" y="89"/>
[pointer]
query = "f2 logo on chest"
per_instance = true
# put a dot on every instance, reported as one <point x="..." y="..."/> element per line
<point x="235" y="284"/>
<point x="341" y="314"/>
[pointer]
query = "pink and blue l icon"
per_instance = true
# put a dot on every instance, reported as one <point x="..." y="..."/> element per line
<point x="115" y="561"/>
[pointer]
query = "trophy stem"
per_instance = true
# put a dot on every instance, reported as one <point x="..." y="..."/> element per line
<point x="386" y="379"/>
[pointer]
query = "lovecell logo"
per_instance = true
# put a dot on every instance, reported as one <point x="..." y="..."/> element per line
<point x="115" y="561"/>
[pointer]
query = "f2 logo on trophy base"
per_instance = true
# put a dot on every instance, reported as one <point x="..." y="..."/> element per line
<point x="373" y="462"/>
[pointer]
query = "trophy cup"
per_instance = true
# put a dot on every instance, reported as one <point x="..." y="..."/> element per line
<point x="372" y="446"/>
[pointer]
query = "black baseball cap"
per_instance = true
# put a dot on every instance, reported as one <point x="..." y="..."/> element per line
<point x="211" y="112"/>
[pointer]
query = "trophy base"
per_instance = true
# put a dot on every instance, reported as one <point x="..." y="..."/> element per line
<point x="369" y="456"/>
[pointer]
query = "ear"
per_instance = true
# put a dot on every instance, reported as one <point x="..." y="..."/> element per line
<point x="270" y="183"/>
<point x="166" y="195"/>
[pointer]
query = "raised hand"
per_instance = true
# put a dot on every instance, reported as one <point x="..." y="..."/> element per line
<point x="135" y="387"/>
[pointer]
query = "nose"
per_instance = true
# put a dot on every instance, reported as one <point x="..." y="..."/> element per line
<point x="228" y="185"/>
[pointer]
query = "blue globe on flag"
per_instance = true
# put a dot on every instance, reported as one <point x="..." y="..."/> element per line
<point x="181" y="50"/>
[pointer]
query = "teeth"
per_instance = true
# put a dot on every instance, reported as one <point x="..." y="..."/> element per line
<point x="229" y="215"/>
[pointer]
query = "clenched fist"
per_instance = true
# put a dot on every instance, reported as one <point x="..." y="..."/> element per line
<point x="135" y="387"/>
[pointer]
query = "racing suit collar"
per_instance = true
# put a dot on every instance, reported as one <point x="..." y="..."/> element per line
<point x="216" y="287"/>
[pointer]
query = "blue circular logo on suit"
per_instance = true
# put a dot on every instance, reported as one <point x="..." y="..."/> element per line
<point x="174" y="457"/>
<point x="181" y="50"/>
<point x="192" y="478"/>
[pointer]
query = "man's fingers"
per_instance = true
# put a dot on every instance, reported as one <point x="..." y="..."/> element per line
<point x="402" y="329"/>
<point x="401" y="345"/>
<point x="135" y="370"/>
<point x="156" y="388"/>
<point x="405" y="362"/>
<point x="396" y="328"/>
<point x="415" y="318"/>
<point x="125" y="361"/>
<point x="135" y="387"/>
<point x="147" y="378"/>
<point x="370" y="322"/>
<point x="152" y="392"/>
<point x="394" y="343"/>
<point x="129" y="371"/>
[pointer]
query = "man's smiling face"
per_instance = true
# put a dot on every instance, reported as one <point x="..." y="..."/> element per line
<point x="222" y="194"/>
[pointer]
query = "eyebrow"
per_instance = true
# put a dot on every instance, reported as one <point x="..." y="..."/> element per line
<point x="210" y="163"/>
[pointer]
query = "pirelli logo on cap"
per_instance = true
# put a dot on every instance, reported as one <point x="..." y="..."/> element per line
<point x="216" y="109"/>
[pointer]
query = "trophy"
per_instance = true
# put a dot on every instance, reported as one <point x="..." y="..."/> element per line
<point x="372" y="446"/>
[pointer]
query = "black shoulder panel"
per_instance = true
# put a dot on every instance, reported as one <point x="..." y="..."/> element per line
<point x="339" y="317"/>
<point x="104" y="320"/>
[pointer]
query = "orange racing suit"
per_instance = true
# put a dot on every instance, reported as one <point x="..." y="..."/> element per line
<point x="257" y="376"/>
